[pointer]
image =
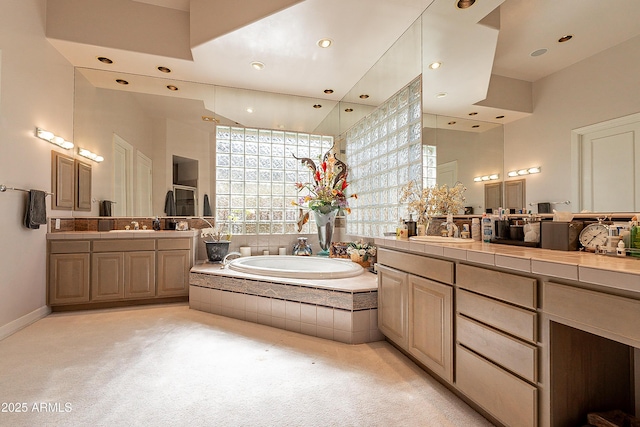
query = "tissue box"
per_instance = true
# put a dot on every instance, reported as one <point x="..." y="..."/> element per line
<point x="560" y="236"/>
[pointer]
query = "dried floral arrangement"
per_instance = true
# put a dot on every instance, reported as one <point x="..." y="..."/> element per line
<point x="431" y="201"/>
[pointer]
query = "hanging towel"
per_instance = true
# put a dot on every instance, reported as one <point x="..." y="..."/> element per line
<point x="169" y="204"/>
<point x="105" y="207"/>
<point x="206" y="209"/>
<point x="36" y="212"/>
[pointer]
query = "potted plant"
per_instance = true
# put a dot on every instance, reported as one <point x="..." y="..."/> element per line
<point x="217" y="239"/>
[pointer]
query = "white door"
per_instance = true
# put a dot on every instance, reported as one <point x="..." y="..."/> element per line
<point x="609" y="163"/>
<point x="447" y="174"/>
<point x="122" y="177"/>
<point x="144" y="185"/>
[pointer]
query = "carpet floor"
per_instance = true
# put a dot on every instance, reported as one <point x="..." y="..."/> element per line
<point x="172" y="366"/>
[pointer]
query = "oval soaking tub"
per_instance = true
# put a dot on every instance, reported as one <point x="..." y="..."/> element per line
<point x="296" y="267"/>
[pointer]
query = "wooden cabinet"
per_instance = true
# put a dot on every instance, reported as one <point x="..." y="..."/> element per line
<point x="82" y="186"/>
<point x="430" y="325"/>
<point x="62" y="181"/>
<point x="174" y="263"/>
<point x="393" y="305"/>
<point x="139" y="274"/>
<point x="69" y="272"/>
<point x="107" y="276"/>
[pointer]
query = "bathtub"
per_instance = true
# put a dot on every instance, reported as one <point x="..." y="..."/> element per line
<point x="296" y="267"/>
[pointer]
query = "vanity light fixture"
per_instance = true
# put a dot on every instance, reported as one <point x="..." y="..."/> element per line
<point x="482" y="178"/>
<point x="172" y="88"/>
<point x="435" y="65"/>
<point x="257" y="65"/>
<point x="90" y="155"/>
<point x="324" y="43"/>
<point x="54" y="139"/>
<point x="521" y="172"/>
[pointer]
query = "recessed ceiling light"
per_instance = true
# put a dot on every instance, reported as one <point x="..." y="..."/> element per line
<point x="475" y="126"/>
<point x="473" y="114"/>
<point x="364" y="96"/>
<point x="317" y="106"/>
<point x="465" y="4"/>
<point x="122" y="82"/>
<point x="249" y="110"/>
<point x="325" y="43"/>
<point x="164" y="69"/>
<point x="257" y="65"/>
<point x="451" y="123"/>
<point x="499" y="117"/>
<point x="104" y="60"/>
<point x="172" y="87"/>
<point x="565" y="38"/>
<point x="348" y="110"/>
<point x="328" y="91"/>
<point x="435" y="65"/>
<point x="539" y="52"/>
<point x="441" y="95"/>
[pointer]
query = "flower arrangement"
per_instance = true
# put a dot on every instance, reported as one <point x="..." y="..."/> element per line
<point x="361" y="249"/>
<point x="327" y="191"/>
<point x="217" y="233"/>
<point x="431" y="201"/>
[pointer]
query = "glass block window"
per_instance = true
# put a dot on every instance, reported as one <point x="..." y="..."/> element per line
<point x="384" y="152"/>
<point x="429" y="166"/>
<point x="256" y="175"/>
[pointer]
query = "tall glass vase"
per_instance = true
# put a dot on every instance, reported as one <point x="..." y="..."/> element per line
<point x="325" y="223"/>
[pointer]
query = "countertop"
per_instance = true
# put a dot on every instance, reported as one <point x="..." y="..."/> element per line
<point x="611" y="271"/>
<point x="121" y="234"/>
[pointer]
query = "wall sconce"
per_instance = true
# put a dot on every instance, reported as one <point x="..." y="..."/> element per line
<point x="89" y="155"/>
<point x="492" y="177"/>
<point x="520" y="172"/>
<point x="53" y="139"/>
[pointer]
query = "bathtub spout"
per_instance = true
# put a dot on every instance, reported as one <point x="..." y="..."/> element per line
<point x="224" y="260"/>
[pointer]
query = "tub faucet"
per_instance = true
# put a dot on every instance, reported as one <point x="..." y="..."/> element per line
<point x="136" y="225"/>
<point x="224" y="260"/>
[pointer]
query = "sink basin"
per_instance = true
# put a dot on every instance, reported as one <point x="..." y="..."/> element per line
<point x="438" y="239"/>
<point x="129" y="231"/>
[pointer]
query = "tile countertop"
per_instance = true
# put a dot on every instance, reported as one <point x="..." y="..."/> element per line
<point x="611" y="271"/>
<point x="121" y="234"/>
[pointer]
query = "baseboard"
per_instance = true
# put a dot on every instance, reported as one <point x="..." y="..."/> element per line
<point x="13" y="327"/>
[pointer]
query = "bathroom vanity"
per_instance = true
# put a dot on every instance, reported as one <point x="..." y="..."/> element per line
<point x="118" y="267"/>
<point x="529" y="337"/>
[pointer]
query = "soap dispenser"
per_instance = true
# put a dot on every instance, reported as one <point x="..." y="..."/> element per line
<point x="156" y="224"/>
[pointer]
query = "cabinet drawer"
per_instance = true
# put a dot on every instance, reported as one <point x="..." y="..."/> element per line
<point x="512" y="354"/>
<point x="513" y="320"/>
<point x="69" y="247"/>
<point x="431" y="268"/>
<point x="173" y="244"/>
<point x="124" y="245"/>
<point x="511" y="400"/>
<point x="507" y="287"/>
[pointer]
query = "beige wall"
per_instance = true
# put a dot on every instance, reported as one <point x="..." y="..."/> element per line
<point x="37" y="90"/>
<point x="597" y="89"/>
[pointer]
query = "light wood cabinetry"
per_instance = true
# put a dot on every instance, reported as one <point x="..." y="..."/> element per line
<point x="393" y="305"/>
<point x="82" y="186"/>
<point x="114" y="270"/>
<point x="69" y="273"/>
<point x="62" y="181"/>
<point x="414" y="311"/>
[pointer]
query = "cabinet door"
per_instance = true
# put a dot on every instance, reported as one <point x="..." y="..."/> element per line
<point x="393" y="305"/>
<point x="430" y="325"/>
<point x="62" y="181"/>
<point x="173" y="272"/>
<point x="140" y="274"/>
<point x="68" y="278"/>
<point x="107" y="276"/>
<point x="83" y="187"/>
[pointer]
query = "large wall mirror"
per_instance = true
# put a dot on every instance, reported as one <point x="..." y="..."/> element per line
<point x="139" y="124"/>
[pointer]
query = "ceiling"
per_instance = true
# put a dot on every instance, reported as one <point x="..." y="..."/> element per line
<point x="492" y="37"/>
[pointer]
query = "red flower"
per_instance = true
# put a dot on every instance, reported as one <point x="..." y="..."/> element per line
<point x="344" y="185"/>
<point x="324" y="166"/>
<point x="317" y="177"/>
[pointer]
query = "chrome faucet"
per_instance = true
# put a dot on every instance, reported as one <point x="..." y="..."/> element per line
<point x="452" y="228"/>
<point x="136" y="225"/>
<point x="224" y="260"/>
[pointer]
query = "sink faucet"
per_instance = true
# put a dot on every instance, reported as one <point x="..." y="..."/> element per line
<point x="452" y="228"/>
<point x="136" y="226"/>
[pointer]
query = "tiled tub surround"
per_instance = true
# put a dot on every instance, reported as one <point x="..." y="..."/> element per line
<point x="343" y="310"/>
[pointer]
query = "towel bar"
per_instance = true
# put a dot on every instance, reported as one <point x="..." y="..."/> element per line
<point x="4" y="188"/>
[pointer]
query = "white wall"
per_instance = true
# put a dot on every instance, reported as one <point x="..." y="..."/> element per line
<point x="597" y="89"/>
<point x="37" y="90"/>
